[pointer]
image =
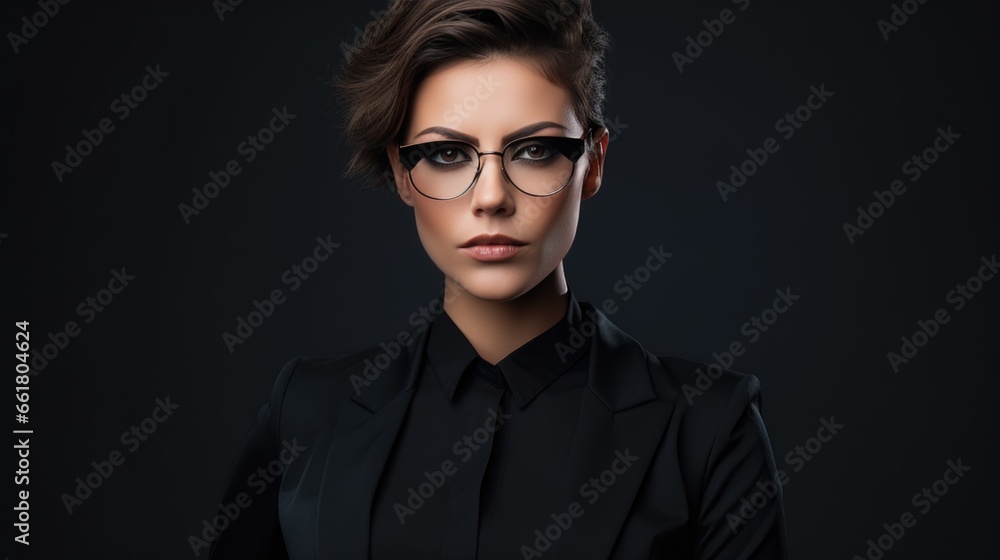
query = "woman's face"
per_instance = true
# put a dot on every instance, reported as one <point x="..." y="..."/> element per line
<point x="488" y="104"/>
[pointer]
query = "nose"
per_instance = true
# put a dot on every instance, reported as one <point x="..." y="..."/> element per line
<point x="491" y="193"/>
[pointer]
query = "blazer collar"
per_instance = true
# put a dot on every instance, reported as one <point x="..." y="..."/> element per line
<point x="620" y="416"/>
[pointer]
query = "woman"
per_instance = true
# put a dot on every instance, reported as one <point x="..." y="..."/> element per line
<point x="513" y="421"/>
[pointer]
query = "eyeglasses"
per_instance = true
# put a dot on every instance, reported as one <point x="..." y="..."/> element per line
<point x="537" y="166"/>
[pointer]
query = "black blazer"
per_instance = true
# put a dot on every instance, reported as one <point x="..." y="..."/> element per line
<point x="701" y="483"/>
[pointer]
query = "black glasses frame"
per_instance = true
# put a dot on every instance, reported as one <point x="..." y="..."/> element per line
<point x="411" y="154"/>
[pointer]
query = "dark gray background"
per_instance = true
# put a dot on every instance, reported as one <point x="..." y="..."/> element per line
<point x="825" y="357"/>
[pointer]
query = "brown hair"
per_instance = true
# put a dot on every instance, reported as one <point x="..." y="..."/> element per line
<point x="413" y="37"/>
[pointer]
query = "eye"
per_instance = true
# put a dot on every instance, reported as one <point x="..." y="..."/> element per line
<point x="448" y="154"/>
<point x="534" y="150"/>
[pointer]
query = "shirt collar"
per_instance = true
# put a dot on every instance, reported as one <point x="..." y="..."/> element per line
<point x="527" y="370"/>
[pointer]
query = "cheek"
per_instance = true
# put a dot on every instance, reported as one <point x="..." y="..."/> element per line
<point x="555" y="226"/>
<point x="559" y="216"/>
<point x="434" y="226"/>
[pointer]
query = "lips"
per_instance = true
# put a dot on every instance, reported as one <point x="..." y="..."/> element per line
<point x="493" y="239"/>
<point x="492" y="247"/>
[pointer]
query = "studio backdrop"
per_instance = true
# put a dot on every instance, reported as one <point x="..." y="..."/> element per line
<point x="806" y="190"/>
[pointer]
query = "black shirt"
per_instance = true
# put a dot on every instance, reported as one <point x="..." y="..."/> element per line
<point x="471" y="427"/>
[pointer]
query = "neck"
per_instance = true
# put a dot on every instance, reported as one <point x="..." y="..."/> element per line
<point x="497" y="328"/>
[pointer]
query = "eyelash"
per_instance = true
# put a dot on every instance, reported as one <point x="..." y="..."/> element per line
<point x="462" y="149"/>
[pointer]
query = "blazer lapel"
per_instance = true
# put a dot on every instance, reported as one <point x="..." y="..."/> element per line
<point x="359" y="448"/>
<point x="621" y="424"/>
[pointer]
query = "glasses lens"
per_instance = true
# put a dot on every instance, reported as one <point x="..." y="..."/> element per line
<point x="541" y="165"/>
<point x="445" y="169"/>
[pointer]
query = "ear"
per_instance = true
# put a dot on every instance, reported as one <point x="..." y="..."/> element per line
<point x="595" y="172"/>
<point x="400" y="176"/>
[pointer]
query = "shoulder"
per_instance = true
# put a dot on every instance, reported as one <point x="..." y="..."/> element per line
<point x="317" y="386"/>
<point x="707" y="398"/>
<point x="326" y="375"/>
<point x="715" y="411"/>
<point x="703" y="385"/>
<point x="713" y="408"/>
<point x="703" y="391"/>
<point x="717" y="441"/>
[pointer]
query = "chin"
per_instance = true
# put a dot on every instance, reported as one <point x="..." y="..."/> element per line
<point x="494" y="284"/>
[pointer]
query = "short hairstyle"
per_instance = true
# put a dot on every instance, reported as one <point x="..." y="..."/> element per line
<point x="412" y="38"/>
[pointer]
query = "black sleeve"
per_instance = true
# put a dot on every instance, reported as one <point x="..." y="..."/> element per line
<point x="247" y="522"/>
<point x="742" y="516"/>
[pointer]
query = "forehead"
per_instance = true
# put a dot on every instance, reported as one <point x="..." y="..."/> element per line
<point x="485" y="97"/>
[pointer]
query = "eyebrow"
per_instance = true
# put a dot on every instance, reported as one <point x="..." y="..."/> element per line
<point x="519" y="133"/>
